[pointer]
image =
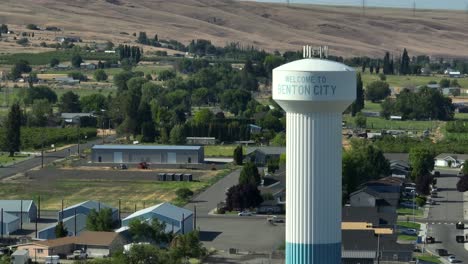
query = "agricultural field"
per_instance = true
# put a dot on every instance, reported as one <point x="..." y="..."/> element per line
<point x="132" y="187"/>
<point x="221" y="150"/>
<point x="378" y="123"/>
<point x="411" y="81"/>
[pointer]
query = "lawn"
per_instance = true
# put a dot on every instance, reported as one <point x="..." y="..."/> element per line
<point x="372" y="107"/>
<point x="409" y="212"/>
<point x="220" y="150"/>
<point x="132" y="193"/>
<point x="429" y="258"/>
<point x="4" y="158"/>
<point x="409" y="225"/>
<point x="402" y="81"/>
<point x="407" y="237"/>
<point x="462" y="116"/>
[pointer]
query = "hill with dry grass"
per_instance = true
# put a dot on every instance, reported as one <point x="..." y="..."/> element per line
<point x="269" y="26"/>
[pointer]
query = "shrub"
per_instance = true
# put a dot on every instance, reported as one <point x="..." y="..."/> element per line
<point x="184" y="193"/>
<point x="420" y="201"/>
<point x="22" y="41"/>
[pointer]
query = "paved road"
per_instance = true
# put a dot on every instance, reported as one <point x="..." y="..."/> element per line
<point x="26" y="165"/>
<point x="246" y="233"/>
<point x="443" y="216"/>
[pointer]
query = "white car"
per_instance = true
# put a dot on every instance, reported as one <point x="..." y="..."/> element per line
<point x="410" y="232"/>
<point x="452" y="259"/>
<point x="244" y="213"/>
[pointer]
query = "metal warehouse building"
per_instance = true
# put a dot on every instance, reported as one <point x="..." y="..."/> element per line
<point x="178" y="220"/>
<point x="25" y="210"/>
<point x="85" y="208"/>
<point x="10" y="224"/>
<point x="74" y="226"/>
<point x="149" y="154"/>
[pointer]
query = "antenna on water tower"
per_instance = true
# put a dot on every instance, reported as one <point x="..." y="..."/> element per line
<point x="311" y="52"/>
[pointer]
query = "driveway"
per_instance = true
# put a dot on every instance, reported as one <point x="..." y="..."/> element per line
<point x="247" y="233"/>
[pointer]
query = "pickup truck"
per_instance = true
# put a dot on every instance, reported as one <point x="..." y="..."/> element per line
<point x="78" y="254"/>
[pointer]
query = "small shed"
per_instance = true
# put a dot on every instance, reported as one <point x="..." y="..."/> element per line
<point x="20" y="257"/>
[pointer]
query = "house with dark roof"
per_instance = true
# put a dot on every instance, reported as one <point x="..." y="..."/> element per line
<point x="369" y="215"/>
<point x="25" y="210"/>
<point x="261" y="155"/>
<point x="366" y="197"/>
<point x="385" y="185"/>
<point x="154" y="154"/>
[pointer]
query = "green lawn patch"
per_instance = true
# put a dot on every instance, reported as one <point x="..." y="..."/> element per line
<point x="407" y="81"/>
<point x="379" y="123"/>
<point x="370" y="106"/>
<point x="5" y="159"/>
<point x="429" y="258"/>
<point x="413" y="225"/>
<point x="407" y="237"/>
<point x="461" y="116"/>
<point x="409" y="212"/>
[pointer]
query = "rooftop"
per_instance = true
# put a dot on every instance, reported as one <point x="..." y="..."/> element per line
<point x="147" y="147"/>
<point x="165" y="209"/>
<point x="91" y="205"/>
<point x="15" y="205"/>
<point x="267" y="150"/>
<point x="85" y="238"/>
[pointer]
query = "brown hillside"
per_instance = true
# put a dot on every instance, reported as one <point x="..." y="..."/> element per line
<point x="268" y="26"/>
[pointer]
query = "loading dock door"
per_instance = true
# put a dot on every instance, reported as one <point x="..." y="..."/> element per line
<point x="171" y="158"/>
<point x="118" y="157"/>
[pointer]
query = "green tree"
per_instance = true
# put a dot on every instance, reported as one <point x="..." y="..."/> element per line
<point x="187" y="246"/>
<point x="177" y="135"/>
<point x="377" y="90"/>
<point x="100" y="75"/>
<point x="148" y="132"/>
<point x="272" y="165"/>
<point x="13" y="129"/>
<point x="242" y="196"/>
<point x="41" y="111"/>
<point x="76" y="61"/>
<point x="462" y="184"/>
<point x="184" y="193"/>
<point x="405" y="63"/>
<point x="279" y="140"/>
<point x="238" y="155"/>
<point x="386" y="63"/>
<point x="358" y="104"/>
<point x="100" y="221"/>
<point x="165" y="75"/>
<point x="3" y="29"/>
<point x="154" y="232"/>
<point x="360" y="120"/>
<point x="421" y="161"/>
<point x="271" y="62"/>
<point x="32" y="27"/>
<point x="203" y="116"/>
<point x="69" y="103"/>
<point x="19" y="68"/>
<point x="464" y="168"/>
<point x="93" y="103"/>
<point x="121" y="79"/>
<point x="249" y="174"/>
<point x="142" y="38"/>
<point x="76" y="75"/>
<point x="54" y="62"/>
<point x="60" y="230"/>
<point x="444" y="83"/>
<point x="22" y="41"/>
<point x="39" y="92"/>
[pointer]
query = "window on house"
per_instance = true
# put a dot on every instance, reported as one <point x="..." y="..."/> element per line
<point x="40" y="251"/>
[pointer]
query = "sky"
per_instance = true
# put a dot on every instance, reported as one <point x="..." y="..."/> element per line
<point x="420" y="4"/>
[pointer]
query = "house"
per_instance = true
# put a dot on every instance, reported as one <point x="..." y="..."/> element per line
<point x="9" y="223"/>
<point x="88" y="66"/>
<point x="385" y="185"/>
<point x="62" y="67"/>
<point x="369" y="215"/>
<point x="201" y="140"/>
<point x="20" y="257"/>
<point x="367" y="197"/>
<point x="433" y="86"/>
<point x="178" y="220"/>
<point x="261" y="155"/>
<point x="25" y="210"/>
<point x="399" y="168"/>
<point x="95" y="244"/>
<point x="254" y="129"/>
<point x="73" y="224"/>
<point x="450" y="160"/>
<point x="85" y="208"/>
<point x="74" y="117"/>
<point x="147" y="153"/>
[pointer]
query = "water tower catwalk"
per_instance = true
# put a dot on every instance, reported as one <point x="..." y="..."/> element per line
<point x="314" y="93"/>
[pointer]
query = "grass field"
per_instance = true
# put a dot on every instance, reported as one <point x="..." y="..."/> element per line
<point x="407" y="238"/>
<point x="410" y="81"/>
<point x="132" y="193"/>
<point x="461" y="116"/>
<point x="370" y="106"/>
<point x="4" y="158"/>
<point x="378" y="123"/>
<point x="221" y="150"/>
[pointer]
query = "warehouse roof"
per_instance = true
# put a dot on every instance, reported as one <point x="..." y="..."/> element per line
<point x="267" y="150"/>
<point x="8" y="218"/>
<point x="165" y="209"/>
<point x="69" y="224"/>
<point x="90" y="238"/>
<point x="15" y="205"/>
<point x="146" y="147"/>
<point x="90" y="205"/>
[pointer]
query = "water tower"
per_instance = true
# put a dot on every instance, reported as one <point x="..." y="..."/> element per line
<point x="314" y="93"/>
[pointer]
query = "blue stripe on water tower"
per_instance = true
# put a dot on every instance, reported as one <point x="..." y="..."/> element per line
<point x="308" y="253"/>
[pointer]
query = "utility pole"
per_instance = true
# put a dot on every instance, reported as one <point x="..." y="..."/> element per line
<point x="78" y="136"/>
<point x="414" y="8"/>
<point x="378" y="248"/>
<point x="363" y="7"/>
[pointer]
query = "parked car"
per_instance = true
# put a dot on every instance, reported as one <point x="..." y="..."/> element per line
<point x="442" y="252"/>
<point x="452" y="259"/>
<point x="245" y="213"/>
<point x="460" y="239"/>
<point x="430" y="240"/>
<point x="408" y="204"/>
<point x="460" y="225"/>
<point x="410" y="231"/>
<point x="275" y="219"/>
<point x="436" y="173"/>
